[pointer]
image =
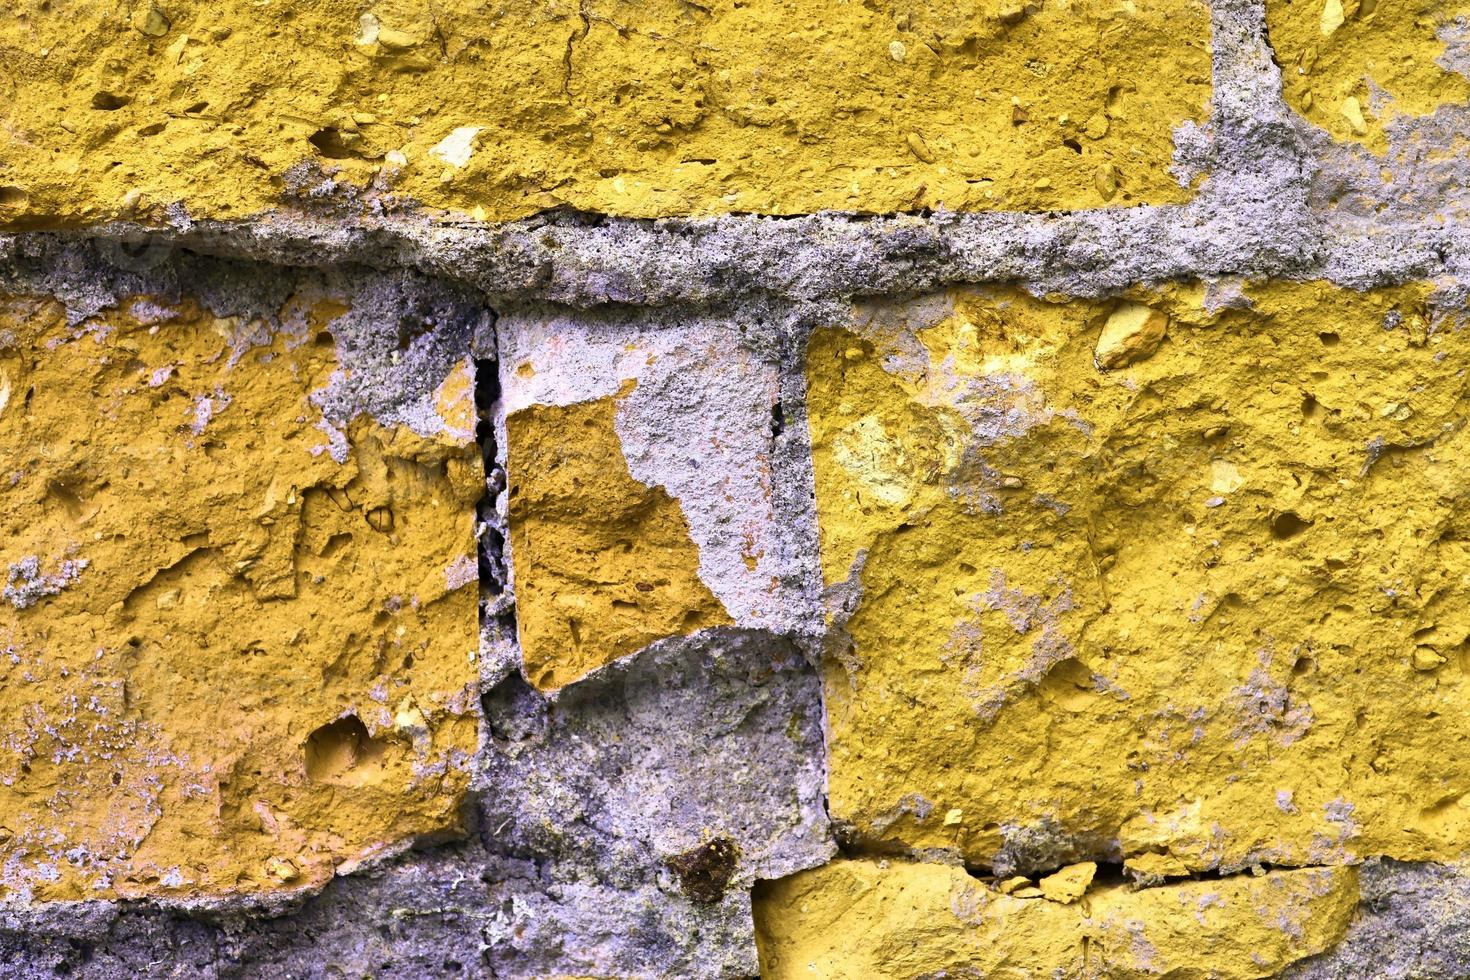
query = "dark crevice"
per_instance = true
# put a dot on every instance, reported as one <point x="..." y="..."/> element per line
<point x="499" y="650"/>
<point x="1111" y="870"/>
<point x="490" y="532"/>
<point x="1114" y="872"/>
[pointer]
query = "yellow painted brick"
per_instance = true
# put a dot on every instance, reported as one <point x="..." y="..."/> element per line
<point x="604" y="565"/>
<point x="231" y="664"/>
<point x="857" y="919"/>
<point x="1210" y="604"/>
<point x="638" y="109"/>
<point x="1353" y="66"/>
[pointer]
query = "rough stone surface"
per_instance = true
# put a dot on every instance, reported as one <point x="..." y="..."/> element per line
<point x="643" y="109"/>
<point x="1355" y="69"/>
<point x="867" y="918"/>
<point x="1168" y="594"/>
<point x="239" y="631"/>
<point x="777" y="328"/>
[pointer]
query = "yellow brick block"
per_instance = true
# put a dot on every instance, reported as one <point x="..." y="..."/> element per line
<point x="638" y="109"/>
<point x="604" y="564"/>
<point x="1209" y="603"/>
<point x="858" y="919"/>
<point x="644" y="485"/>
<point x="1353" y="66"/>
<point x="231" y="663"/>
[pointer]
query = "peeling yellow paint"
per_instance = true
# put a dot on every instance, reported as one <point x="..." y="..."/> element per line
<point x="206" y="634"/>
<point x="1353" y="67"/>
<point x="1209" y="605"/>
<point x="1068" y="884"/>
<point x="858" y="919"/>
<point x="646" y="109"/>
<point x="604" y="565"/>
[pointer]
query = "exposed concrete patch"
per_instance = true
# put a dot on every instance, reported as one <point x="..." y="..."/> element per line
<point x="1410" y="924"/>
<point x="700" y="413"/>
<point x="1401" y="214"/>
<point x="693" y="739"/>
<point x="583" y="801"/>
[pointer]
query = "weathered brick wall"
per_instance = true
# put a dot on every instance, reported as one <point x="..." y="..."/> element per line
<point x="672" y="489"/>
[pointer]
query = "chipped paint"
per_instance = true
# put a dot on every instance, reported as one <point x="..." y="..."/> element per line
<point x="604" y="564"/>
<point x="1358" y="67"/>
<point x="865" y="918"/>
<point x="201" y="670"/>
<point x="1116" y="612"/>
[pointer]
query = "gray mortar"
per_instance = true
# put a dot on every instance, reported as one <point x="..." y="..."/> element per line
<point x="581" y="801"/>
<point x="1410" y="925"/>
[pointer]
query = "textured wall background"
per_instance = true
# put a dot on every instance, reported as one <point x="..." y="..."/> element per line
<point x="676" y="489"/>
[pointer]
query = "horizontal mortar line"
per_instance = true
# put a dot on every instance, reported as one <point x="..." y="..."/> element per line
<point x="586" y="260"/>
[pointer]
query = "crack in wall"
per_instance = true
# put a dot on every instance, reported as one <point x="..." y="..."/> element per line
<point x="578" y="34"/>
<point x="499" y="649"/>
